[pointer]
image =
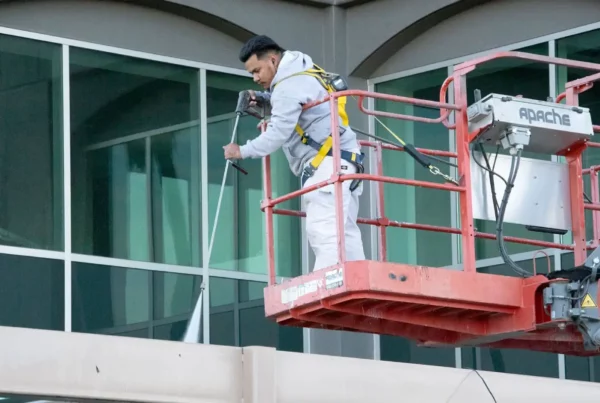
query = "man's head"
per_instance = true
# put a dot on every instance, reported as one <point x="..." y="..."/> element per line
<point x="261" y="57"/>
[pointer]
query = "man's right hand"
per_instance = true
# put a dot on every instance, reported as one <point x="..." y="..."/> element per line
<point x="252" y="97"/>
<point x="246" y="99"/>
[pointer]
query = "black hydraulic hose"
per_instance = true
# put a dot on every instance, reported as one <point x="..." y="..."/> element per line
<point x="514" y="168"/>
<point x="491" y="178"/>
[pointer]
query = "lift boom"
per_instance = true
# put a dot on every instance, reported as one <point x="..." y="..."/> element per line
<point x="554" y="312"/>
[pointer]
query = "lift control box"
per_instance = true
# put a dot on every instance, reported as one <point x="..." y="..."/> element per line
<point x="554" y="127"/>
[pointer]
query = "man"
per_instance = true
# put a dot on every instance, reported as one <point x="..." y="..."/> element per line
<point x="276" y="70"/>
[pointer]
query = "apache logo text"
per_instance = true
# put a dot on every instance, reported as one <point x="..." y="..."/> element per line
<point x="542" y="116"/>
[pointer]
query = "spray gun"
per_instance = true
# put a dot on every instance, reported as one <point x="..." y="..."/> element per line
<point x="243" y="105"/>
<point x="259" y="110"/>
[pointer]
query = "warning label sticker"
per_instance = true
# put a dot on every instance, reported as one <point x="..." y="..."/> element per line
<point x="588" y="302"/>
<point x="293" y="293"/>
<point x="334" y="278"/>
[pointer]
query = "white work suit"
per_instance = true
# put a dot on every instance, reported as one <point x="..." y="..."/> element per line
<point x="287" y="96"/>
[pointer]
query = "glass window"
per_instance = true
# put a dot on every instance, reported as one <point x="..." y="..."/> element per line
<point x="31" y="162"/>
<point x="514" y="361"/>
<point x="135" y="143"/>
<point x="237" y="317"/>
<point x="510" y="77"/>
<point x="582" y="47"/>
<point x="240" y="242"/>
<point x="419" y="205"/>
<point x="402" y="350"/>
<point x="32" y="292"/>
<point x="132" y="302"/>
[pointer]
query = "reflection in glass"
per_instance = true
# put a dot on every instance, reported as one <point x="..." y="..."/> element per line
<point x="237" y="317"/>
<point x="31" y="163"/>
<point x="399" y="349"/>
<point x="172" y="198"/>
<point x="240" y="243"/>
<point x="32" y="292"/>
<point x="132" y="302"/>
<point x="582" y="47"/>
<point x="135" y="159"/>
<point x="420" y="205"/>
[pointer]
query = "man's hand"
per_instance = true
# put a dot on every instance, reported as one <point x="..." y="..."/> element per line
<point x="262" y="125"/>
<point x="252" y="97"/>
<point x="232" y="152"/>
<point x="246" y="99"/>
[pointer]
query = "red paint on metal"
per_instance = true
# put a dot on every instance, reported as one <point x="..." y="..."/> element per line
<point x="268" y="194"/>
<point x="593" y="172"/>
<point x="382" y="256"/>
<point x="464" y="172"/>
<point x="543" y="252"/>
<point x="435" y="306"/>
<point x="340" y="217"/>
<point x="574" y="161"/>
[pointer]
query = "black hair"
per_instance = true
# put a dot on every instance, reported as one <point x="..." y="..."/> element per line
<point x="259" y="45"/>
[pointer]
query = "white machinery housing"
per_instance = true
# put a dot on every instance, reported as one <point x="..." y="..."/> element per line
<point x="540" y="197"/>
<point x="553" y="127"/>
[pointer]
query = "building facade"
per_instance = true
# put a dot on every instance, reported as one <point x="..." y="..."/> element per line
<point x="112" y="119"/>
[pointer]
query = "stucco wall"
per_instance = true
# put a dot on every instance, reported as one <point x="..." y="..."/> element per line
<point x="488" y="26"/>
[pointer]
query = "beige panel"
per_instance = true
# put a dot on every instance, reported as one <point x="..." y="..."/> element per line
<point x="310" y="378"/>
<point x="260" y="375"/>
<point x="80" y="366"/>
<point x="471" y="389"/>
<point x="301" y="378"/>
<point x="49" y="363"/>
<point x="509" y="388"/>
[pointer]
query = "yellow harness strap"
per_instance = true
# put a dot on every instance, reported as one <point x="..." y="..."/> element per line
<point x="317" y="72"/>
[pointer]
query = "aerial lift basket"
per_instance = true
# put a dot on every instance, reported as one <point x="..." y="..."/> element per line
<point x="553" y="312"/>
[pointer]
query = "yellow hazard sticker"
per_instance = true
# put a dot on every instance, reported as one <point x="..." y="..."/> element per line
<point x="588" y="302"/>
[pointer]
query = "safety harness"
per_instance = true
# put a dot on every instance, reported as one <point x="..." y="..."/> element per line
<point x="325" y="149"/>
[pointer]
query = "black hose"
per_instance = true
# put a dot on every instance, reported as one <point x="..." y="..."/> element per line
<point x="514" y="168"/>
<point x="491" y="178"/>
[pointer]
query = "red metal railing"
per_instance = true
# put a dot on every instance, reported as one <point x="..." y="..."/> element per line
<point x="595" y="202"/>
<point x="463" y="140"/>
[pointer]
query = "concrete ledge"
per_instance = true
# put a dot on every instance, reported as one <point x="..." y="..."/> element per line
<point x="49" y="363"/>
<point x="83" y="366"/>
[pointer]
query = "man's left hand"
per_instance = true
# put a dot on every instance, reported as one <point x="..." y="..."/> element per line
<point x="232" y="152"/>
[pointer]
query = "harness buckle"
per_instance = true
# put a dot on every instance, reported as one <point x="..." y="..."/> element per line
<point x="307" y="172"/>
<point x="360" y="168"/>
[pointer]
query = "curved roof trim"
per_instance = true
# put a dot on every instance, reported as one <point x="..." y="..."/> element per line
<point x="195" y="14"/>
<point x="370" y="64"/>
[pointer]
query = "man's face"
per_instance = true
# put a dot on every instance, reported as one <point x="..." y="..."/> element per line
<point x="263" y="70"/>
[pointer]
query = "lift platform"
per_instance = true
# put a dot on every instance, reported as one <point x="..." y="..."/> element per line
<point x="441" y="307"/>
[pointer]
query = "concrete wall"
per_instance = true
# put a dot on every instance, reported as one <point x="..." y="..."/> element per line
<point x="488" y="26"/>
<point x="79" y="366"/>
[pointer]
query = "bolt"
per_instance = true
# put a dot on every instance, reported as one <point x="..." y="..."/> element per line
<point x="562" y="326"/>
<point x="392" y="276"/>
<point x="403" y="278"/>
